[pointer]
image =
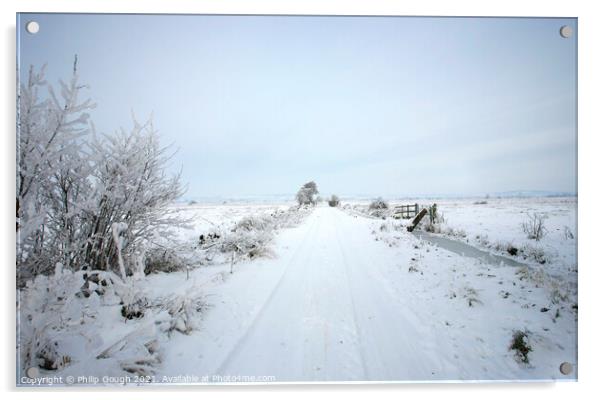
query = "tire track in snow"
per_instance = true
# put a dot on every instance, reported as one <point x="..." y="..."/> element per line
<point x="390" y="343"/>
<point x="353" y="305"/>
<point x="332" y="288"/>
<point x="331" y="349"/>
<point x="241" y="342"/>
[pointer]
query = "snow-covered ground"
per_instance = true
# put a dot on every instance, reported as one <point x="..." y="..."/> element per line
<point x="500" y="221"/>
<point x="209" y="217"/>
<point x="340" y="297"/>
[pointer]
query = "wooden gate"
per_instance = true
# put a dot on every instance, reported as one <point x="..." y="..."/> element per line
<point x="405" y="211"/>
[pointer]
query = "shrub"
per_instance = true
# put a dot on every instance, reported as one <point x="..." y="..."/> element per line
<point x="249" y="243"/>
<point x="208" y="239"/>
<point x="435" y="220"/>
<point x="45" y="352"/>
<point x="511" y="250"/>
<point x="163" y="260"/>
<point x="253" y="223"/>
<point x="520" y="345"/>
<point x="82" y="198"/>
<point x="183" y="311"/>
<point x="247" y="238"/>
<point x="533" y="252"/>
<point x="471" y="296"/>
<point x="534" y="226"/>
<point x="378" y="204"/>
<point x="135" y="309"/>
<point x="434" y="216"/>
<point x="432" y="228"/>
<point x="334" y="201"/>
<point x="41" y="300"/>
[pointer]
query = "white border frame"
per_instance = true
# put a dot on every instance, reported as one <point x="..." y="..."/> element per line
<point x="590" y="34"/>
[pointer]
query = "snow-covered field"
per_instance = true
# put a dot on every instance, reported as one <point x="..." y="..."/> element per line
<point x="207" y="217"/>
<point x="338" y="297"/>
<point x="499" y="221"/>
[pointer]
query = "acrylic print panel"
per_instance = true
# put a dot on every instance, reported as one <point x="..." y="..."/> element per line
<point x="235" y="199"/>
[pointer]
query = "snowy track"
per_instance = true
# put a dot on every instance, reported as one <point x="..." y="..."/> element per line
<point x="329" y="316"/>
<point x="336" y="305"/>
<point x="308" y="328"/>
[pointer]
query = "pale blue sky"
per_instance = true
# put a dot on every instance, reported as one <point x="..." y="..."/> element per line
<point x="362" y="105"/>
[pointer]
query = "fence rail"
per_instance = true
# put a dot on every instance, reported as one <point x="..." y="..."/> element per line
<point x="405" y="211"/>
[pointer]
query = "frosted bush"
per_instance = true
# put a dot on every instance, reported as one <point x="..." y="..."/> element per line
<point x="433" y="228"/>
<point x="160" y="259"/>
<point x="534" y="253"/>
<point x="40" y="339"/>
<point x="568" y="234"/>
<point x="254" y="223"/>
<point x="85" y="199"/>
<point x="471" y="296"/>
<point x="292" y="217"/>
<point x="134" y="309"/>
<point x="433" y="214"/>
<point x="246" y="243"/>
<point x="184" y="313"/>
<point x="334" y="201"/>
<point x="534" y="226"/>
<point x="134" y="301"/>
<point x="250" y="237"/>
<point x="378" y="204"/>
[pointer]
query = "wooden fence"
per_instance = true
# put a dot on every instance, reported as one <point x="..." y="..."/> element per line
<point x="405" y="211"/>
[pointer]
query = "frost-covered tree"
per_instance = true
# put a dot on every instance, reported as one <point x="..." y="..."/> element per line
<point x="306" y="195"/>
<point x="84" y="199"/>
<point x="132" y="193"/>
<point x="66" y="197"/>
<point x="50" y="130"/>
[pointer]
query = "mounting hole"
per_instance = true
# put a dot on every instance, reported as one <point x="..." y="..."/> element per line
<point x="566" y="31"/>
<point x="566" y="368"/>
<point x="32" y="372"/>
<point x="32" y="27"/>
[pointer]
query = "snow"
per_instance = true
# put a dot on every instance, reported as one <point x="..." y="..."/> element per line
<point x="500" y="220"/>
<point x="343" y="297"/>
<point x="210" y="217"/>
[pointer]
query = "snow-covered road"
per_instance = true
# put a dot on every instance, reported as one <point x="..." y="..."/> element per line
<point x="334" y="304"/>
<point x="330" y="316"/>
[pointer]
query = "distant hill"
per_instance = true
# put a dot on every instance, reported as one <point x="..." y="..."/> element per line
<point x="290" y="197"/>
